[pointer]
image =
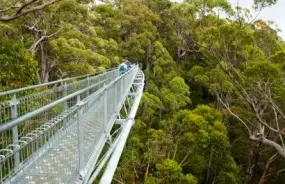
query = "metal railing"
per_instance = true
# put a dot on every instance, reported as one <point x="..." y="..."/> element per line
<point x="18" y="106"/>
<point x="60" y="131"/>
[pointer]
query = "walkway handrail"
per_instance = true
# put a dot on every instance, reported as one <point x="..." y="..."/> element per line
<point x="114" y="160"/>
<point x="13" y="91"/>
<point x="17" y="121"/>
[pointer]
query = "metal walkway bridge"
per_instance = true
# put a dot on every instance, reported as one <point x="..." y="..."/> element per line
<point x="68" y="131"/>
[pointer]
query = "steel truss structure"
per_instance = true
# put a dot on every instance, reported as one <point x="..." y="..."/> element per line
<point x="67" y="131"/>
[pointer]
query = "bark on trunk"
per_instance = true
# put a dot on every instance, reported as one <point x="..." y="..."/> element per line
<point x="146" y="174"/>
<point x="180" y="54"/>
<point x="44" y="64"/>
<point x="264" y="177"/>
<point x="268" y="142"/>
<point x="256" y="157"/>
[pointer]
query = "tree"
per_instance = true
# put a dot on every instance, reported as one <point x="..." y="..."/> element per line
<point x="169" y="171"/>
<point x="59" y="42"/>
<point x="20" y="66"/>
<point x="227" y="130"/>
<point x="165" y="83"/>
<point x="266" y="77"/>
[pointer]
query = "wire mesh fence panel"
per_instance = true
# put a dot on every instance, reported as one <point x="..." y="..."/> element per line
<point x="37" y="97"/>
<point x="50" y="136"/>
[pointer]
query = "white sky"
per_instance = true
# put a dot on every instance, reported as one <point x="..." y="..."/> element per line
<point x="274" y="13"/>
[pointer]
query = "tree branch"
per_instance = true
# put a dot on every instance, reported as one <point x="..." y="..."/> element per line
<point x="268" y="142"/>
<point x="236" y="116"/>
<point x="277" y="124"/>
<point x="25" y="5"/>
<point x="21" y="11"/>
<point x="34" y="46"/>
<point x="9" y="8"/>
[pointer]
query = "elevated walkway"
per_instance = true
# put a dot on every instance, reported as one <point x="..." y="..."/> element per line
<point x="68" y="132"/>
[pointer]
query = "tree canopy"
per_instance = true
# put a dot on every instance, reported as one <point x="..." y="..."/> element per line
<point x="213" y="110"/>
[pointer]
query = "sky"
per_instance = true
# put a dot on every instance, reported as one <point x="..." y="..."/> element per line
<point x="274" y="13"/>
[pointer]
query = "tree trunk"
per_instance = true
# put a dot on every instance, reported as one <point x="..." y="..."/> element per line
<point x="264" y="176"/>
<point x="256" y="157"/>
<point x="146" y="174"/>
<point x="209" y="165"/>
<point x="44" y="64"/>
<point x="180" y="54"/>
<point x="248" y="174"/>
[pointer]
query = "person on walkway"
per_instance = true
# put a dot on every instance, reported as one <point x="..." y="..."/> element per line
<point x="123" y="68"/>
<point x="127" y="62"/>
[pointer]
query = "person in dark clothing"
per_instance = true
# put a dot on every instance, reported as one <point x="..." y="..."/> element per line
<point x="127" y="62"/>
<point x="122" y="68"/>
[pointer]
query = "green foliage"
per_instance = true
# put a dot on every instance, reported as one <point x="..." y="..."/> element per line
<point x="278" y="57"/>
<point x="166" y="85"/>
<point x="154" y="104"/>
<point x="215" y="80"/>
<point x="18" y="66"/>
<point x="169" y="171"/>
<point x="264" y="3"/>
<point x="178" y="136"/>
<point x="263" y="72"/>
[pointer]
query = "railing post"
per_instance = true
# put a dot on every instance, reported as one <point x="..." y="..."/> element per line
<point x="65" y="94"/>
<point x="119" y="90"/>
<point x="80" y="135"/>
<point x="115" y="95"/>
<point x="122" y="85"/>
<point x="105" y="107"/>
<point x="65" y="104"/>
<point x="88" y="83"/>
<point x="14" y="114"/>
